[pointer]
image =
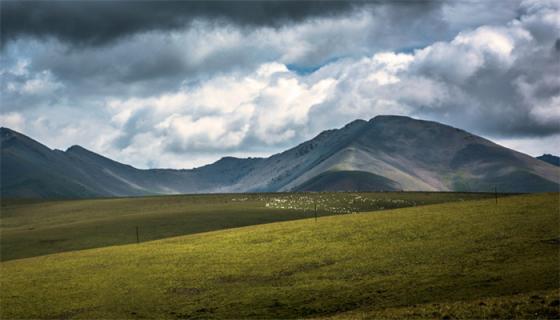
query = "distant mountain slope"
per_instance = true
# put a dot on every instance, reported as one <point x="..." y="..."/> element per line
<point x="29" y="169"/>
<point x="349" y="181"/>
<point x="554" y="160"/>
<point x="385" y="153"/>
<point x="416" y="154"/>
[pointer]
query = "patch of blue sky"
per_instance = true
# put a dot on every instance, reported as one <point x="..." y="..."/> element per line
<point x="304" y="70"/>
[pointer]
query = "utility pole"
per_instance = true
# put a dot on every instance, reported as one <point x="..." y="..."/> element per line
<point x="496" y="193"/>
<point x="137" y="237"/>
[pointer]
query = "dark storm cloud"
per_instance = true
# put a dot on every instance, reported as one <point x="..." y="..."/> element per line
<point x="100" y="22"/>
<point x="159" y="57"/>
<point x="161" y="79"/>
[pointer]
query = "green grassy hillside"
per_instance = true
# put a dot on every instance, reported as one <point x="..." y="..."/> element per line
<point x="542" y="304"/>
<point x="447" y="257"/>
<point x="36" y="228"/>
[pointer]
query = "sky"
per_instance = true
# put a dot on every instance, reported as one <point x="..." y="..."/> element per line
<point x="179" y="84"/>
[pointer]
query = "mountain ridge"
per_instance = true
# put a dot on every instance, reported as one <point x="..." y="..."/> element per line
<point x="385" y="153"/>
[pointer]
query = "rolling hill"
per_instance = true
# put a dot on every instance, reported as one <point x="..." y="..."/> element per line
<point x="38" y="227"/>
<point x="466" y="259"/>
<point x="386" y="153"/>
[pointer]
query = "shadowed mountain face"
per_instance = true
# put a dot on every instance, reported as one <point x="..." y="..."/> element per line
<point x="554" y="160"/>
<point x="348" y="180"/>
<point x="385" y="153"/>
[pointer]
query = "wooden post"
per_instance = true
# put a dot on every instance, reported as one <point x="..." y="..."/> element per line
<point x="315" y="203"/>
<point x="137" y="237"/>
<point x="496" y="193"/>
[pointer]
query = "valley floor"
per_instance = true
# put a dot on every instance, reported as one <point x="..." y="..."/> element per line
<point x="467" y="259"/>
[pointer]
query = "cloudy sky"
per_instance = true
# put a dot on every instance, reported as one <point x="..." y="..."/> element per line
<point x="181" y="84"/>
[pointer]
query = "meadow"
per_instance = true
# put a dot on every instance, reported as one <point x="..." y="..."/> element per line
<point x="462" y="259"/>
<point x="32" y="228"/>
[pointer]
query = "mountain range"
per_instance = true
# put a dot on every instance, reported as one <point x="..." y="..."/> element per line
<point x="386" y="153"/>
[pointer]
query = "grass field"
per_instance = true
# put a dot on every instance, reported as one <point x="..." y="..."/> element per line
<point x="36" y="228"/>
<point x="534" y="305"/>
<point x="451" y="260"/>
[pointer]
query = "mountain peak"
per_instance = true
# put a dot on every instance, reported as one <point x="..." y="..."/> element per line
<point x="355" y="122"/>
<point x="228" y="158"/>
<point x="549" y="158"/>
<point x="7" y="132"/>
<point x="230" y="161"/>
<point x="13" y="139"/>
<point x="388" y="117"/>
<point x="76" y="148"/>
<point x="83" y="153"/>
